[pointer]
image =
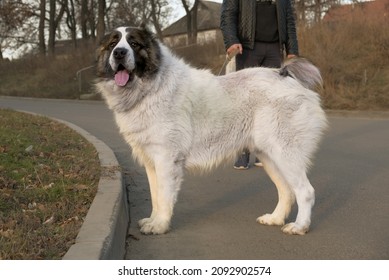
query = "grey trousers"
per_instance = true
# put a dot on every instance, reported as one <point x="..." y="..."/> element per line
<point x="263" y="54"/>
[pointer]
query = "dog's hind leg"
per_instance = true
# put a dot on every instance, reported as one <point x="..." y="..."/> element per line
<point x="165" y="183"/>
<point x="285" y="195"/>
<point x="292" y="183"/>
<point x="305" y="197"/>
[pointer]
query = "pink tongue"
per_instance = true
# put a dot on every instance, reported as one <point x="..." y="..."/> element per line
<point x="121" y="78"/>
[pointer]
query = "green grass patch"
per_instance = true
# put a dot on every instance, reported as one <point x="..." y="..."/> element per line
<point x="48" y="179"/>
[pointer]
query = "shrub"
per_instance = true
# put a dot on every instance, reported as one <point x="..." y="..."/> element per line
<point x="353" y="59"/>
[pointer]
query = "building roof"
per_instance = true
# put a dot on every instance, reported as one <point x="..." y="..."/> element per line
<point x="376" y="9"/>
<point x="208" y="18"/>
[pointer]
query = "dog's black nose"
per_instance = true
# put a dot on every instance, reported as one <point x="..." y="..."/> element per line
<point x="119" y="53"/>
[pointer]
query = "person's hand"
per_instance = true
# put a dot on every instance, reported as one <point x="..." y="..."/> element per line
<point x="289" y="56"/>
<point x="234" y="50"/>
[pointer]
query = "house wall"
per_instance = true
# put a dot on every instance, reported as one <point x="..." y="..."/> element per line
<point x="203" y="37"/>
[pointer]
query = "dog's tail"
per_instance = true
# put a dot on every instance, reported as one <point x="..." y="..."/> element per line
<point x="303" y="71"/>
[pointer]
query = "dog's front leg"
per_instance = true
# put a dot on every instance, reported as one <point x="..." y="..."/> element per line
<point x="165" y="181"/>
<point x="152" y="178"/>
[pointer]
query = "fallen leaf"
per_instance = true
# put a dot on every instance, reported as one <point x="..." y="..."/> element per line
<point x="31" y="206"/>
<point x="49" y="186"/>
<point x="81" y="187"/>
<point x="29" y="149"/>
<point x="49" y="221"/>
<point x="7" y="233"/>
<point x="41" y="207"/>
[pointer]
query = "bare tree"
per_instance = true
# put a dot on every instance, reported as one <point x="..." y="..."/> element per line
<point x="100" y="19"/>
<point x="84" y="18"/>
<point x="151" y="13"/>
<point x="71" y="21"/>
<point x="92" y="18"/>
<point x="159" y="14"/>
<point x="14" y="24"/>
<point x="54" y="20"/>
<point x="312" y="11"/>
<point x="191" y="20"/>
<point x="41" y="27"/>
<point x="155" y="19"/>
<point x="42" y="22"/>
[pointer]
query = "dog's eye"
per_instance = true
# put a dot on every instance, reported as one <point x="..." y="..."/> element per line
<point x="134" y="44"/>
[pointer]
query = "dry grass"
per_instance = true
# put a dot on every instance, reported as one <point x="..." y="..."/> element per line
<point x="353" y="58"/>
<point x="55" y="77"/>
<point x="209" y="56"/>
<point x="48" y="179"/>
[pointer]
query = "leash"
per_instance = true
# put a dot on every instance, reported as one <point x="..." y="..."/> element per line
<point x="228" y="59"/>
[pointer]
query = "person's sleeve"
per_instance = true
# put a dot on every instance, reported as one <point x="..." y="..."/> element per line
<point x="229" y="22"/>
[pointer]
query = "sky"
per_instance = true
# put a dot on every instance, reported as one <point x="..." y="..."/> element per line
<point x="179" y="10"/>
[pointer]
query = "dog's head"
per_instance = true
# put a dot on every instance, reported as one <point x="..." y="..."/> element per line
<point x="127" y="53"/>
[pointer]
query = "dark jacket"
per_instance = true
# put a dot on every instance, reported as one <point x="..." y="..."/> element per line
<point x="238" y="24"/>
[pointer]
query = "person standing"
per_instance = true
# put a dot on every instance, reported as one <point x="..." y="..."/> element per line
<point x="261" y="33"/>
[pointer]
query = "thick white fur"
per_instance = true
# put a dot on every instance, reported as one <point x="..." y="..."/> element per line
<point x="185" y="118"/>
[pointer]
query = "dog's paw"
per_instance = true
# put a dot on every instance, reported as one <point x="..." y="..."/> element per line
<point x="295" y="229"/>
<point x="153" y="226"/>
<point x="144" y="221"/>
<point x="270" y="220"/>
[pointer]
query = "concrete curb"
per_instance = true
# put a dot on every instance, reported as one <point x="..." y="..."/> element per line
<point x="359" y="114"/>
<point x="103" y="234"/>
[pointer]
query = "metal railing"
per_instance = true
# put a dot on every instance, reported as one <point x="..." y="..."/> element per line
<point x="79" y="76"/>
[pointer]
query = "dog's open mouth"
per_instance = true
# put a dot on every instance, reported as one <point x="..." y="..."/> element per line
<point x="122" y="76"/>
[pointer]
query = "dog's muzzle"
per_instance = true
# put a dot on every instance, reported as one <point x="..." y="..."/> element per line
<point x="119" y="54"/>
<point x="121" y="66"/>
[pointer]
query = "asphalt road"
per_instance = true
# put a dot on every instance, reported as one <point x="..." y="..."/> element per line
<point x="215" y="213"/>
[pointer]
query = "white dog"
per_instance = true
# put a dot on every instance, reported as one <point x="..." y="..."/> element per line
<point x="176" y="117"/>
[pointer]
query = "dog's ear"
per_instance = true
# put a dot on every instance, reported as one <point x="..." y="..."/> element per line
<point x="101" y="56"/>
<point x="147" y="31"/>
<point x="102" y="46"/>
<point x="151" y="50"/>
<point x="143" y="25"/>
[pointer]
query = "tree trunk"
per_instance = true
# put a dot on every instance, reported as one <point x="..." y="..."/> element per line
<point x="191" y="21"/>
<point x="91" y="19"/>
<point x="41" y="28"/>
<point x="71" y="22"/>
<point x="100" y="20"/>
<point x="51" y="43"/>
<point x="84" y="19"/>
<point x="53" y="23"/>
<point x="188" y="20"/>
<point x="156" y="24"/>
<point x="194" y="22"/>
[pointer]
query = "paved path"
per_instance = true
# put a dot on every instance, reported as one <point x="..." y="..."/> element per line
<point x="215" y="214"/>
